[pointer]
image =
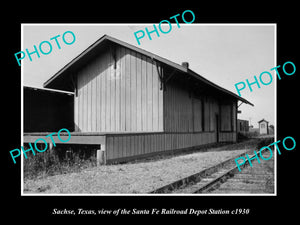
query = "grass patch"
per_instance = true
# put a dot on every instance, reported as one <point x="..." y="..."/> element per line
<point x="60" y="160"/>
<point x="64" y="159"/>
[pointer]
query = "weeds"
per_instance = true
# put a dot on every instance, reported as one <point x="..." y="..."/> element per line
<point x="60" y="160"/>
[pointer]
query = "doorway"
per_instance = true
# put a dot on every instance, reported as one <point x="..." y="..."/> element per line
<point x="217" y="127"/>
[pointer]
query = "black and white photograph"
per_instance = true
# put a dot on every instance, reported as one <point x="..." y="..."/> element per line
<point x="132" y="112"/>
<point x="159" y="117"/>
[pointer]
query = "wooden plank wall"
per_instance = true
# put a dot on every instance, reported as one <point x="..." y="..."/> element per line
<point x="118" y="91"/>
<point x="178" y="110"/>
<point x="130" y="145"/>
<point x="197" y="114"/>
<point x="227" y="137"/>
<point x="183" y="111"/>
<point x="228" y="112"/>
<point x="234" y="115"/>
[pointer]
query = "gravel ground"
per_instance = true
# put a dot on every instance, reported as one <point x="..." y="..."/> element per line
<point x="140" y="177"/>
<point x="258" y="179"/>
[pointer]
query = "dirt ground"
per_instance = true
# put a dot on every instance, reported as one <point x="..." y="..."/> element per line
<point x="139" y="177"/>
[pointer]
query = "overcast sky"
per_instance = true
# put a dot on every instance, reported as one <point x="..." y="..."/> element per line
<point x="224" y="54"/>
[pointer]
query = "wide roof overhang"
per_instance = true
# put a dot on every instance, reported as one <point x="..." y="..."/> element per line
<point x="64" y="80"/>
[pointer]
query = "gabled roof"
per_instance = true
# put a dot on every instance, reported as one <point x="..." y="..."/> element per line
<point x="263" y="120"/>
<point x="63" y="76"/>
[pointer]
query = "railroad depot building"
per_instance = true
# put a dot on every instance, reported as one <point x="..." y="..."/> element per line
<point x="132" y="103"/>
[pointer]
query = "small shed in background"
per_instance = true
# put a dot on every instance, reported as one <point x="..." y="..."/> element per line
<point x="263" y="126"/>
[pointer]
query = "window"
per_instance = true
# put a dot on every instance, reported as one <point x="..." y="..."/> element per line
<point x="262" y="126"/>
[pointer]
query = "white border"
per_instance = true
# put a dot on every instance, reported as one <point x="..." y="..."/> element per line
<point x="139" y="24"/>
<point x="22" y="111"/>
<point x="275" y="111"/>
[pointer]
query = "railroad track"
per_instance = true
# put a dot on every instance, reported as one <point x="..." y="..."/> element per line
<point x="212" y="179"/>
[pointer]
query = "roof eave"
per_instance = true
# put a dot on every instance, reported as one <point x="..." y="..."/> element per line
<point x="113" y="40"/>
<point x="199" y="77"/>
<point x="176" y="66"/>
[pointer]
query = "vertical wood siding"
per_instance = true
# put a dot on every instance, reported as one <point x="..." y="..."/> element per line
<point x="183" y="113"/>
<point x="228" y="112"/>
<point x="197" y="114"/>
<point x="234" y="115"/>
<point x="178" y="111"/>
<point x="228" y="137"/>
<point x="120" y="146"/>
<point x="118" y="91"/>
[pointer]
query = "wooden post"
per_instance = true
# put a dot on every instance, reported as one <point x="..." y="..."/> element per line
<point x="50" y="144"/>
<point x="101" y="158"/>
<point x="47" y="156"/>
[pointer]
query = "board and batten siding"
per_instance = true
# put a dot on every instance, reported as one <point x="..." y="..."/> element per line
<point x="228" y="116"/>
<point x="178" y="109"/>
<point x="186" y="112"/>
<point x="121" y="147"/>
<point x="118" y="91"/>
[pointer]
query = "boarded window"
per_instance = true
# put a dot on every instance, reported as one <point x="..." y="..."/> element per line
<point x="204" y="110"/>
<point x="206" y="114"/>
<point x="234" y="117"/>
<point x="197" y="112"/>
<point x="226" y="117"/>
<point x="213" y="111"/>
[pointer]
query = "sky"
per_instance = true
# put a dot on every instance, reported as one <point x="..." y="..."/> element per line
<point x="222" y="53"/>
